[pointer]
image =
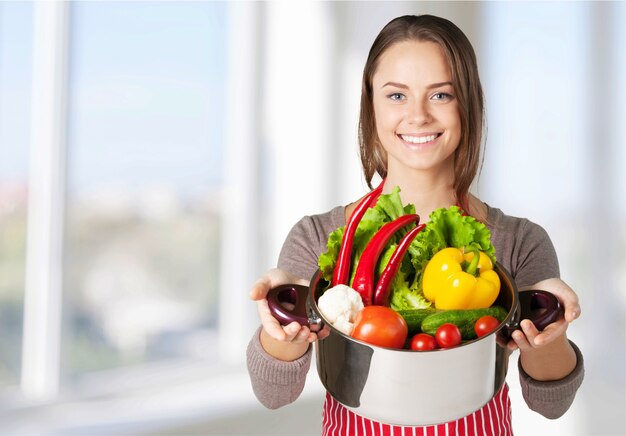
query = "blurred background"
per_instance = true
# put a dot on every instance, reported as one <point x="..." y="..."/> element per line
<point x="154" y="155"/>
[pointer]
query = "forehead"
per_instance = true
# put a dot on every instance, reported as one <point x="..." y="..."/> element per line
<point x="414" y="63"/>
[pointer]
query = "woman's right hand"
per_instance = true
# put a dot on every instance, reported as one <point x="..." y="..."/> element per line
<point x="283" y="342"/>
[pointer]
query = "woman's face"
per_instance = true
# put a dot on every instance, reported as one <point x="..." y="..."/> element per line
<point x="416" y="111"/>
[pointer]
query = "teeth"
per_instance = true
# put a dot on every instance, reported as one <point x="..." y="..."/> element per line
<point x="418" y="139"/>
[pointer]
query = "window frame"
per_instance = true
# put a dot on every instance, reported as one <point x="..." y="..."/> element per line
<point x="44" y="251"/>
<point x="42" y="339"/>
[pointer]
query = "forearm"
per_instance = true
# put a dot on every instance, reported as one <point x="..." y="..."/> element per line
<point x="285" y="351"/>
<point x="553" y="361"/>
<point x="274" y="382"/>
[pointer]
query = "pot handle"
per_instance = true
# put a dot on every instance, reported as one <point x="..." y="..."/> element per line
<point x="296" y="296"/>
<point x="541" y="307"/>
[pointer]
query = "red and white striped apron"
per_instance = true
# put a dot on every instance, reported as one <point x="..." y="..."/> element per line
<point x="493" y="419"/>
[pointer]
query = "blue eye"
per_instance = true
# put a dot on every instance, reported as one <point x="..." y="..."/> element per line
<point x="396" y="96"/>
<point x="442" y="96"/>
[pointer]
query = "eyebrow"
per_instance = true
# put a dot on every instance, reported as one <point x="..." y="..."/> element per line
<point x="403" y="86"/>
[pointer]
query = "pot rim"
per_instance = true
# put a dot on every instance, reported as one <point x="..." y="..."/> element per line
<point x="506" y="282"/>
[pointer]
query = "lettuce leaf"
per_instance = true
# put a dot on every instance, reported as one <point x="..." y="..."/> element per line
<point x="446" y="228"/>
<point x="387" y="208"/>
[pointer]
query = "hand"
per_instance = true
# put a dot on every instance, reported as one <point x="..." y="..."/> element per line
<point x="283" y="342"/>
<point x="529" y="337"/>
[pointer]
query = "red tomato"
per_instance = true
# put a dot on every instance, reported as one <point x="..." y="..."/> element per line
<point x="485" y="325"/>
<point x="448" y="335"/>
<point x="423" y="342"/>
<point x="380" y="325"/>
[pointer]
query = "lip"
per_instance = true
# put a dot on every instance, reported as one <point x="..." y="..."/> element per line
<point x="419" y="145"/>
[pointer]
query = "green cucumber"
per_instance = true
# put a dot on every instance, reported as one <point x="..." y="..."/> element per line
<point x="414" y="318"/>
<point x="463" y="319"/>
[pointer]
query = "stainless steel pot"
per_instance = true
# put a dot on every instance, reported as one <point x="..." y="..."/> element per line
<point x="405" y="387"/>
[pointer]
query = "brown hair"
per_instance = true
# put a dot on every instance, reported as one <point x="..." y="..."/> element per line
<point x="465" y="80"/>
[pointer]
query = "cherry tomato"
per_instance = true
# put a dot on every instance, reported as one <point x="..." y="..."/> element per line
<point x="448" y="335"/>
<point x="423" y="342"/>
<point x="485" y="325"/>
<point x="380" y="325"/>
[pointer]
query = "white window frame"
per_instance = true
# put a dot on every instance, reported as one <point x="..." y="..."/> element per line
<point x="44" y="253"/>
<point x="186" y="390"/>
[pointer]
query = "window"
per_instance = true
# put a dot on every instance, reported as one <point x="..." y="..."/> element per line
<point x="119" y="264"/>
<point x="16" y="26"/>
<point x="144" y="172"/>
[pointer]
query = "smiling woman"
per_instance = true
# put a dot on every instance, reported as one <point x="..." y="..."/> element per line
<point x="416" y="109"/>
<point x="154" y="149"/>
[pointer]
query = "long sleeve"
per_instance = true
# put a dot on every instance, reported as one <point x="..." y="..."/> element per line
<point x="553" y="398"/>
<point x="277" y="383"/>
<point x="274" y="382"/>
<point x="525" y="249"/>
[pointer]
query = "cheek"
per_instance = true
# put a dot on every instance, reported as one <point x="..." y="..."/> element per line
<point x="385" y="120"/>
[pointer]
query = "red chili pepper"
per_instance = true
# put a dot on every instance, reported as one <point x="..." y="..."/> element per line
<point x="363" y="281"/>
<point x="381" y="293"/>
<point x="341" y="273"/>
<point x="462" y="209"/>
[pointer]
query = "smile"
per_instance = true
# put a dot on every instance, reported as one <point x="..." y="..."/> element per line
<point x="419" y="139"/>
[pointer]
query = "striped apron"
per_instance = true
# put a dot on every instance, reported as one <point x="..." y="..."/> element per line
<point x="493" y="419"/>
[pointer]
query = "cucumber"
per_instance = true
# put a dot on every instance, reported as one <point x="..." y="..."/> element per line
<point x="414" y="318"/>
<point x="463" y="319"/>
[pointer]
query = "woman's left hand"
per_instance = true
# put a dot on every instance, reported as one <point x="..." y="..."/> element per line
<point x="528" y="337"/>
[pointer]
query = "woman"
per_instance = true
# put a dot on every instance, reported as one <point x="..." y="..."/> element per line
<point x="421" y="129"/>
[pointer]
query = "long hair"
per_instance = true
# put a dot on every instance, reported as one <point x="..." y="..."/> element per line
<point x="465" y="81"/>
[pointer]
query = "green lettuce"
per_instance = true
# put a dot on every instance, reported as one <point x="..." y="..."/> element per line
<point x="445" y="228"/>
<point x="387" y="208"/>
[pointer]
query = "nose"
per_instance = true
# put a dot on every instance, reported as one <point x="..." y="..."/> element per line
<point x="418" y="112"/>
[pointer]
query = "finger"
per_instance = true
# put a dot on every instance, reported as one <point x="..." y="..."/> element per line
<point x="530" y="331"/>
<point x="572" y="311"/>
<point x="302" y="336"/>
<point x="292" y="330"/>
<point x="260" y="288"/>
<point x="270" y="324"/>
<point x="569" y="300"/>
<point x="323" y="333"/>
<point x="520" y="340"/>
<point x="566" y="295"/>
<point x="511" y="345"/>
<point x="551" y="332"/>
<point x="271" y="279"/>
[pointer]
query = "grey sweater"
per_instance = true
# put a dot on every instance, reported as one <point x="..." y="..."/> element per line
<point x="522" y="247"/>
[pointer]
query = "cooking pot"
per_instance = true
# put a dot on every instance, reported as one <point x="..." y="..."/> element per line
<point x="405" y="387"/>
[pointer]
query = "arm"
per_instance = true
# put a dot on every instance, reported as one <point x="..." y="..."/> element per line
<point x="279" y="357"/>
<point x="550" y="367"/>
<point x="548" y="355"/>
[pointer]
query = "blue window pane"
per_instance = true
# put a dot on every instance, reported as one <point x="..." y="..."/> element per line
<point x="16" y="28"/>
<point x="144" y="176"/>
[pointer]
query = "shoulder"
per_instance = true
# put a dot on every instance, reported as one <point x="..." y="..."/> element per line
<point x="317" y="227"/>
<point x="506" y="226"/>
<point x="523" y="247"/>
<point x="307" y="239"/>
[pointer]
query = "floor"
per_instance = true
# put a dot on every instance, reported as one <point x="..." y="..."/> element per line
<point x="299" y="419"/>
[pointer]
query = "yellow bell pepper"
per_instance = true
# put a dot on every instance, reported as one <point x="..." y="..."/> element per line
<point x="461" y="279"/>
